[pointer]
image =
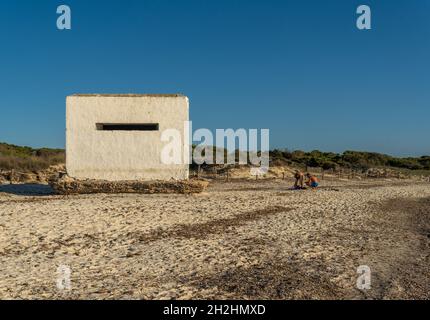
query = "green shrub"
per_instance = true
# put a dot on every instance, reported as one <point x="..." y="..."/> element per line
<point x="28" y="159"/>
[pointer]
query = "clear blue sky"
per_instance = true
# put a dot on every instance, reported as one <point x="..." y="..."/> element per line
<point x="300" y="68"/>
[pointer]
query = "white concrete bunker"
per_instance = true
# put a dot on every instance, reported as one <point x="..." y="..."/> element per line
<point x="118" y="137"/>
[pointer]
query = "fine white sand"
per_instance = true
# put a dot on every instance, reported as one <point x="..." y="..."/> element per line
<point x="239" y="239"/>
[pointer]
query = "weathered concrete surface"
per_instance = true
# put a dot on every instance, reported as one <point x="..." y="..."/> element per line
<point x="123" y="155"/>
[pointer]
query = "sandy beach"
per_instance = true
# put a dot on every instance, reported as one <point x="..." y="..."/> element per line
<point x="239" y="239"/>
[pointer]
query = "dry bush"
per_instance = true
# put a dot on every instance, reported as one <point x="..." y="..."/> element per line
<point x="28" y="159"/>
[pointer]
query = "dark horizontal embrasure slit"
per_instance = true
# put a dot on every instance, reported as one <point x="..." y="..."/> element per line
<point x="127" y="126"/>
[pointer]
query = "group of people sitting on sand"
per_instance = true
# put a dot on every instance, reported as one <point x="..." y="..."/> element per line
<point x="312" y="181"/>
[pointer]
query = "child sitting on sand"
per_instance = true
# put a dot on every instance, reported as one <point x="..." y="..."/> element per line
<point x="312" y="181"/>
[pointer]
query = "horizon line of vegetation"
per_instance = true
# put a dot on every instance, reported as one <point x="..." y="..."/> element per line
<point x="33" y="159"/>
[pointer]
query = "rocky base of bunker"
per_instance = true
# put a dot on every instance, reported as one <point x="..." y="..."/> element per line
<point x="67" y="185"/>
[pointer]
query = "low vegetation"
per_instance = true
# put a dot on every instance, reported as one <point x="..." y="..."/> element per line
<point x="28" y="159"/>
<point x="350" y="159"/>
<point x="355" y="160"/>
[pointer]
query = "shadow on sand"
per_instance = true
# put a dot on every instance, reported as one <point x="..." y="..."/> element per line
<point x="27" y="189"/>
